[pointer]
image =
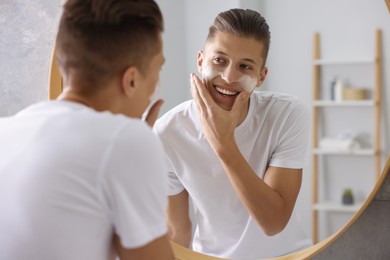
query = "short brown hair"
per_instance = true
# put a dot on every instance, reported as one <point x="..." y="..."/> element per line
<point x="98" y="39"/>
<point x="242" y="23"/>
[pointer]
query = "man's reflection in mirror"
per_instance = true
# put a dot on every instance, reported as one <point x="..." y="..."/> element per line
<point x="237" y="153"/>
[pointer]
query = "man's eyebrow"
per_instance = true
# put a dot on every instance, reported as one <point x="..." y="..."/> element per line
<point x="221" y="52"/>
<point x="250" y="60"/>
<point x="245" y="59"/>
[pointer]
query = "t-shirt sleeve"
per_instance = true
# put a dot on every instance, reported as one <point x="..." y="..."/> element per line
<point x="134" y="186"/>
<point x="174" y="184"/>
<point x="292" y="140"/>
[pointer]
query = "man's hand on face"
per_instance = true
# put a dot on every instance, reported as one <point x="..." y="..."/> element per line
<point x="218" y="124"/>
<point x="152" y="115"/>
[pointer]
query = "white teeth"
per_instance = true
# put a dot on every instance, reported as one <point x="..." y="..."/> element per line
<point x="226" y="92"/>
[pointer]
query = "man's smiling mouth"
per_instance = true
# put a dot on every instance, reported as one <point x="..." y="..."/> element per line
<point x="226" y="92"/>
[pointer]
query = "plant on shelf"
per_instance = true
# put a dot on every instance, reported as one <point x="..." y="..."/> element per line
<point x="347" y="197"/>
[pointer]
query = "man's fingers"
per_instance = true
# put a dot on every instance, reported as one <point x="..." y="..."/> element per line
<point x="240" y="101"/>
<point x="202" y="91"/>
<point x="153" y="112"/>
<point x="195" y="94"/>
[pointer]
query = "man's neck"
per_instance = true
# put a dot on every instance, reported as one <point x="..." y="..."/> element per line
<point x="98" y="101"/>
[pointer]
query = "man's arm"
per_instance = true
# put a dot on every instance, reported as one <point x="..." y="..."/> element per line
<point x="156" y="249"/>
<point x="270" y="201"/>
<point x="179" y="223"/>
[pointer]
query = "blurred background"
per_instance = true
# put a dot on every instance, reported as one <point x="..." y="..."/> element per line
<point x="347" y="32"/>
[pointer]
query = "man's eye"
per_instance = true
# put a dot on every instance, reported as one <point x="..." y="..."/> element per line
<point x="218" y="60"/>
<point x="245" y="67"/>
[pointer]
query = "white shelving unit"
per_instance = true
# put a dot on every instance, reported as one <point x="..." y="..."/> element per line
<point x="343" y="62"/>
<point x="333" y="206"/>
<point x="320" y="204"/>
<point x="362" y="152"/>
<point x="332" y="103"/>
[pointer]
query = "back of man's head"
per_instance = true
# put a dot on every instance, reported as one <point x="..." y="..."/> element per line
<point x="98" y="39"/>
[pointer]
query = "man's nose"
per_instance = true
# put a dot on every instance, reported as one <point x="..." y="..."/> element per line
<point x="231" y="75"/>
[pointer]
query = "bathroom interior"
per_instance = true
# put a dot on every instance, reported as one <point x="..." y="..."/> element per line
<point x="346" y="30"/>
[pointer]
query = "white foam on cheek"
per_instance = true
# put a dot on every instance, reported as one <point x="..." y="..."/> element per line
<point x="248" y="83"/>
<point x="208" y="73"/>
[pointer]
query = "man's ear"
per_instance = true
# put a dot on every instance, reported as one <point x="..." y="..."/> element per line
<point x="129" y="80"/>
<point x="263" y="75"/>
<point x="200" y="61"/>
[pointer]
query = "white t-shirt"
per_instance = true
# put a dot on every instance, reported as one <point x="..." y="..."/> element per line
<point x="274" y="133"/>
<point x="70" y="177"/>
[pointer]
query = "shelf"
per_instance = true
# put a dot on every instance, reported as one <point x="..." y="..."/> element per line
<point x="363" y="152"/>
<point x="352" y="66"/>
<point x="347" y="103"/>
<point x="343" y="62"/>
<point x="337" y="207"/>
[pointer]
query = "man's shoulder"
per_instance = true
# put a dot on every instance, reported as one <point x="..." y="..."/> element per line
<point x="277" y="101"/>
<point x="81" y="120"/>
<point x="275" y="97"/>
<point x="182" y="113"/>
<point x="278" y="106"/>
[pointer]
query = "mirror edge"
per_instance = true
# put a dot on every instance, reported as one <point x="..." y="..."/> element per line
<point x="55" y="79"/>
<point x="388" y="4"/>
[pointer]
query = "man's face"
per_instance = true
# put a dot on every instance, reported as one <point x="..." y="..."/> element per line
<point x="151" y="80"/>
<point x="231" y="64"/>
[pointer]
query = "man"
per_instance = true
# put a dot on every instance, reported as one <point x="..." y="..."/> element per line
<point x="236" y="153"/>
<point x="82" y="177"/>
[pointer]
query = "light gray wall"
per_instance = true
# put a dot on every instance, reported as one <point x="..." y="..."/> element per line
<point x="173" y="77"/>
<point x="27" y="31"/>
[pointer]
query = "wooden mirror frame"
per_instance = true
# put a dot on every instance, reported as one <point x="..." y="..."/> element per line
<point x="388" y="4"/>
<point x="329" y="247"/>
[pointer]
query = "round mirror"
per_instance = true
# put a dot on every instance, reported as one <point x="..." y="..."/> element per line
<point x="291" y="25"/>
